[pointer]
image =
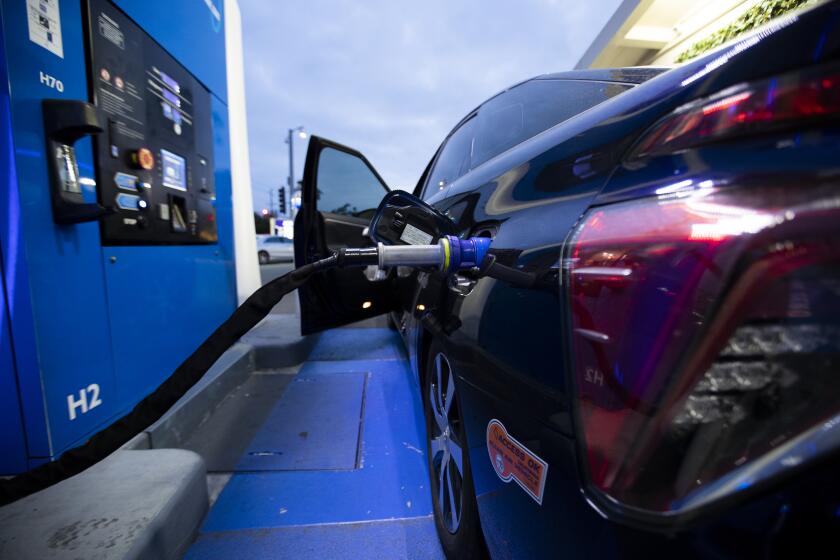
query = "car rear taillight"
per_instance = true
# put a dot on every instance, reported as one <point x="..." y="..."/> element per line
<point x="792" y="100"/>
<point x="706" y="339"/>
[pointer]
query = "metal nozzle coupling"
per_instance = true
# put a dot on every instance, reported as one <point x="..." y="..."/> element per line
<point x="450" y="254"/>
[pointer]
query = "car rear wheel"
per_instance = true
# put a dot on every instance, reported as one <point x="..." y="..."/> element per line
<point x="263" y="256"/>
<point x="453" y="495"/>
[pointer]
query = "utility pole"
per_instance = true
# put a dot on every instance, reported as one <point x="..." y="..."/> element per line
<point x="291" y="158"/>
<point x="289" y="141"/>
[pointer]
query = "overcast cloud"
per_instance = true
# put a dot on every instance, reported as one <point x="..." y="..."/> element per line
<point x="392" y="78"/>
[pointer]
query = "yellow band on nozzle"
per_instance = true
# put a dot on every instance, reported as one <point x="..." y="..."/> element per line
<point x="445" y="254"/>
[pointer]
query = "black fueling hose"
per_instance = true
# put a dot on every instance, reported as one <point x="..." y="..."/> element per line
<point x="450" y="255"/>
<point x="151" y="408"/>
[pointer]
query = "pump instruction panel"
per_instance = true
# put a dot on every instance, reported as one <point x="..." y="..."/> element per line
<point x="155" y="157"/>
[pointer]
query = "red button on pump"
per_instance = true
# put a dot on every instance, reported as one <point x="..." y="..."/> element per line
<point x="143" y="159"/>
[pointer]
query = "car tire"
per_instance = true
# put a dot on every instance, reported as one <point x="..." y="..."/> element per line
<point x="263" y="257"/>
<point x="455" y="508"/>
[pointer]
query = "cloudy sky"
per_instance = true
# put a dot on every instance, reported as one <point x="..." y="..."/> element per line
<point x="392" y="78"/>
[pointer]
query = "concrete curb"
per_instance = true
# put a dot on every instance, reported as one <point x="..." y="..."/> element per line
<point x="144" y="501"/>
<point x="232" y="369"/>
<point x="133" y="504"/>
<point x="277" y="342"/>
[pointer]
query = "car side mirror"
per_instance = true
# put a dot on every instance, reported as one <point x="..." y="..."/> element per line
<point x="404" y="219"/>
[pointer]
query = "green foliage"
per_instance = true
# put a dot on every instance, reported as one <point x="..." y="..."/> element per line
<point x="756" y="16"/>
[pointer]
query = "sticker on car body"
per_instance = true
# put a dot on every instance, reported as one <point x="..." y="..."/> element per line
<point x="415" y="236"/>
<point x="513" y="461"/>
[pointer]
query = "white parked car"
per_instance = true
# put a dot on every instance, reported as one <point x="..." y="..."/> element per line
<point x="275" y="248"/>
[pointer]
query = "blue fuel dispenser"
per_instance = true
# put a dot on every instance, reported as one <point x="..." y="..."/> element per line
<point x="116" y="228"/>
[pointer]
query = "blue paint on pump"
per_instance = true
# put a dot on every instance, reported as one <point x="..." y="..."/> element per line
<point x="13" y="459"/>
<point x="191" y="32"/>
<point x="11" y="436"/>
<point x="55" y="281"/>
<point x="149" y="343"/>
<point x="94" y="323"/>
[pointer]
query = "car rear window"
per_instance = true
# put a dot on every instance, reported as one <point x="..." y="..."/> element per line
<point x="529" y="108"/>
<point x="454" y="158"/>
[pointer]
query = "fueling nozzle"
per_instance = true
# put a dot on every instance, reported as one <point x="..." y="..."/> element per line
<point x="449" y="255"/>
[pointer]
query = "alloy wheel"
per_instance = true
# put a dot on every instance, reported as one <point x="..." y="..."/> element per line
<point x="446" y="445"/>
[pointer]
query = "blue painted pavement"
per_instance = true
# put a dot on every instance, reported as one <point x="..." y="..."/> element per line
<point x="378" y="508"/>
<point x="314" y="426"/>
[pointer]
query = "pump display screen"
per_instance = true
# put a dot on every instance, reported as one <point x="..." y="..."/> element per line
<point x="174" y="170"/>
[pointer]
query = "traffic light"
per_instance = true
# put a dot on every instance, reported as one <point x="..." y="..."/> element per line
<point x="281" y="200"/>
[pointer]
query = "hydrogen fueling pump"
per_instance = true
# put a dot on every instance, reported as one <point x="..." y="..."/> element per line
<point x="117" y="252"/>
<point x="398" y="224"/>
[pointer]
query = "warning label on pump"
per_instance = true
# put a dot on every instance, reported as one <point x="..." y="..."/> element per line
<point x="513" y="461"/>
<point x="45" y="25"/>
<point x="110" y="29"/>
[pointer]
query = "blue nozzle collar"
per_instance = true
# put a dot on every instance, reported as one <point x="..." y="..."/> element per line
<point x="466" y="253"/>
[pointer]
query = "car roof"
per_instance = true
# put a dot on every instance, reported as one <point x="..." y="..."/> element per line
<point x="629" y="75"/>
<point x="633" y="75"/>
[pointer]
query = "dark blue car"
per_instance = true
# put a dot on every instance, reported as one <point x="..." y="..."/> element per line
<point x="664" y="378"/>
